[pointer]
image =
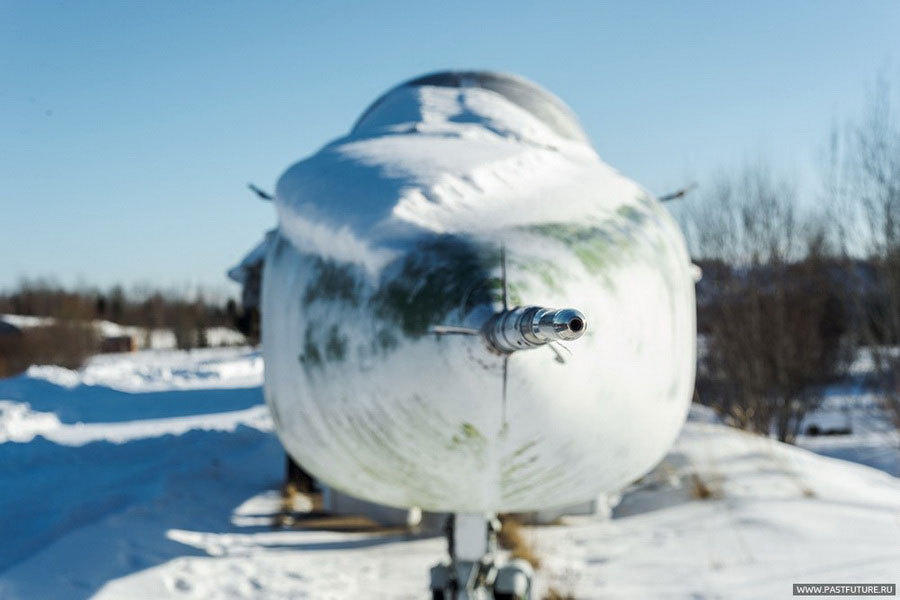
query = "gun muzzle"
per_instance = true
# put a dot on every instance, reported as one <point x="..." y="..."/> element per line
<point x="527" y="327"/>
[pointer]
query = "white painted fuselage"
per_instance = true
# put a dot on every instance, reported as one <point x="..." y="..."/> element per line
<point x="397" y="228"/>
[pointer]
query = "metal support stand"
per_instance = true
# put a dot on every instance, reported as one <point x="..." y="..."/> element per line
<point x="477" y="570"/>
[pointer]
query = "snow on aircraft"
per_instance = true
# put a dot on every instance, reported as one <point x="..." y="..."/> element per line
<point x="465" y="310"/>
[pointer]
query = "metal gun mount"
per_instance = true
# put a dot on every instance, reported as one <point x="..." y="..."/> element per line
<point x="522" y="327"/>
<point x="526" y="327"/>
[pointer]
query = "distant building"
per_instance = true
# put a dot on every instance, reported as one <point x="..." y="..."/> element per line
<point x="9" y="329"/>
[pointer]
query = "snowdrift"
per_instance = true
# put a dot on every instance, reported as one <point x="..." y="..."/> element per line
<point x="114" y="490"/>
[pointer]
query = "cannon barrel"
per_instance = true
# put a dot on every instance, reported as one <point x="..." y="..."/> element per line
<point x="527" y="327"/>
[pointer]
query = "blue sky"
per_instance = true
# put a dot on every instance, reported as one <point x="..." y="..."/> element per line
<point x="128" y="131"/>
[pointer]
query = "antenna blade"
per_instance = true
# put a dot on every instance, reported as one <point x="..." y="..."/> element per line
<point x="559" y="356"/>
<point x="680" y="193"/>
<point x="453" y="330"/>
<point x="262" y="195"/>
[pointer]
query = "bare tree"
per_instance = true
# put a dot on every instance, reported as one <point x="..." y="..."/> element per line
<point x="769" y="313"/>
<point x="875" y="166"/>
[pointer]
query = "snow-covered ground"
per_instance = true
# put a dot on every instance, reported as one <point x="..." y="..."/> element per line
<point x="774" y="515"/>
<point x="153" y="475"/>
<point x="873" y="440"/>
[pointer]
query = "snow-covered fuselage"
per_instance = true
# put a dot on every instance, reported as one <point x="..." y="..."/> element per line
<point x="397" y="228"/>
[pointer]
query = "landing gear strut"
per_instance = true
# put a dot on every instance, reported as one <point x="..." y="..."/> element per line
<point x="477" y="569"/>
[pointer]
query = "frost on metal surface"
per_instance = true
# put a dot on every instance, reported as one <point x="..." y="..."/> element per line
<point x="396" y="228"/>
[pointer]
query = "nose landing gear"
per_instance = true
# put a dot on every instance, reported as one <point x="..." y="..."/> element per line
<point x="477" y="569"/>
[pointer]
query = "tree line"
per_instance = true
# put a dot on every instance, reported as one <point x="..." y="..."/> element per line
<point x="70" y="337"/>
<point x="793" y="295"/>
